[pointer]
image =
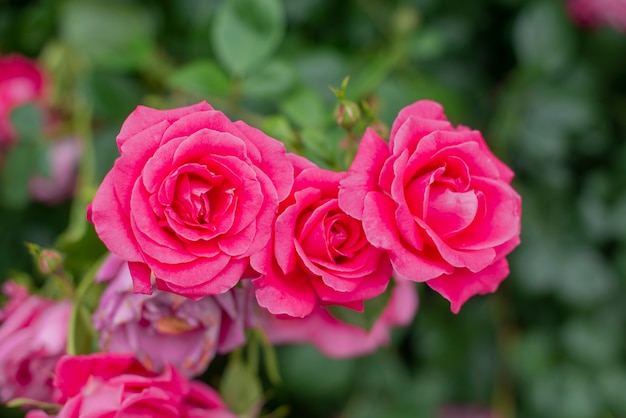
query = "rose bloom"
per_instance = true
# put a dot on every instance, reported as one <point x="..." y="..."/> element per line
<point x="63" y="156"/>
<point x="191" y="197"/>
<point x="21" y="82"/>
<point x="164" y="328"/>
<point x="33" y="336"/>
<point x="108" y="385"/>
<point x="319" y="253"/>
<point x="338" y="339"/>
<point x="438" y="201"/>
<point x="599" y="13"/>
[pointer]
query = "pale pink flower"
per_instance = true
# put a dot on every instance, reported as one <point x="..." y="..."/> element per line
<point x="33" y="336"/>
<point x="59" y="185"/>
<point x="165" y="328"/>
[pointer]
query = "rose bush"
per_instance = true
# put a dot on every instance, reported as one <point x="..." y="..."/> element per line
<point x="117" y="385"/>
<point x="33" y="336"/>
<point x="21" y="82"/>
<point x="339" y="339"/>
<point x="438" y="200"/>
<point x="164" y="328"/>
<point x="191" y="197"/>
<point x="318" y="253"/>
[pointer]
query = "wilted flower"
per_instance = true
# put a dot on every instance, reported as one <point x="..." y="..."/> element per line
<point x="164" y="327"/>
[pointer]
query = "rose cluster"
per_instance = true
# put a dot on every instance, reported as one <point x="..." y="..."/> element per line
<point x="197" y="204"/>
<point x="214" y="229"/>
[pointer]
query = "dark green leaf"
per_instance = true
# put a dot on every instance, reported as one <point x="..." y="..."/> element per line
<point x="19" y="166"/>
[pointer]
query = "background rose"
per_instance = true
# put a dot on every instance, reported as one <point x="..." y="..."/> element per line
<point x="318" y="251"/>
<point x="339" y="339"/>
<point x="21" y="82"/>
<point x="163" y="327"/>
<point x="33" y="336"/>
<point x="117" y="385"/>
<point x="599" y="13"/>
<point x="190" y="198"/>
<point x="438" y="200"/>
<point x="63" y="155"/>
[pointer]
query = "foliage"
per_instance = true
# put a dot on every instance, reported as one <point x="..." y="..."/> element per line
<point x="550" y="98"/>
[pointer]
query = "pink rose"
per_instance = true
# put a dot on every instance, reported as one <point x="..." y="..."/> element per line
<point x="338" y="339"/>
<point x="116" y="385"/>
<point x="21" y="82"/>
<point x="63" y="158"/>
<point x="191" y="197"/>
<point x="164" y="328"/>
<point x="438" y="201"/>
<point x="319" y="254"/>
<point x="599" y="13"/>
<point x="33" y="336"/>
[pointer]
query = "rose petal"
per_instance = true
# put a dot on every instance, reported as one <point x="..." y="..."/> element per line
<point x="361" y="178"/>
<point x="462" y="284"/>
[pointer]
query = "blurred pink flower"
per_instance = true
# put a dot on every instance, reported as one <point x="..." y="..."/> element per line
<point x="335" y="338"/>
<point x="117" y="385"/>
<point x="163" y="327"/>
<point x="33" y="336"/>
<point x="63" y="157"/>
<point x="21" y="82"/>
<point x="599" y="13"/>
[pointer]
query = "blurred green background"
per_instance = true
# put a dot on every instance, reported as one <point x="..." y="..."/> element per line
<point x="549" y="97"/>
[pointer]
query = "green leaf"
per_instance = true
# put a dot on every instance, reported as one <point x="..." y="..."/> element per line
<point x="240" y="387"/>
<point x="27" y="123"/>
<point x="543" y="36"/>
<point x="319" y="147"/>
<point x="278" y="127"/>
<point x="270" y="82"/>
<point x="19" y="166"/>
<point x="246" y="32"/>
<point x="202" y="78"/>
<point x="79" y="338"/>
<point x="114" y="34"/>
<point x="373" y="309"/>
<point x="306" y="109"/>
